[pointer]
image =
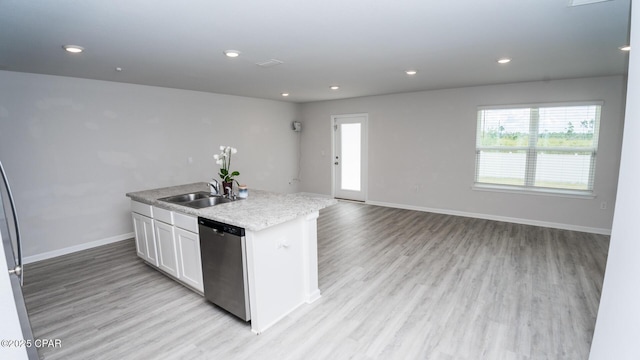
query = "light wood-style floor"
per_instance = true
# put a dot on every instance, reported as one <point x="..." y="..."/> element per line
<point x="396" y="284"/>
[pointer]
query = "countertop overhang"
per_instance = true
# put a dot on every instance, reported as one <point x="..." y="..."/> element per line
<point x="260" y="210"/>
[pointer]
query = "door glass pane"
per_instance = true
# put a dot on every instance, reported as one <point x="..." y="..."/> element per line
<point x="350" y="145"/>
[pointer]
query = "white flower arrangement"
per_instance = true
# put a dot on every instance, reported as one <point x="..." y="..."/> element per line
<point x="224" y="160"/>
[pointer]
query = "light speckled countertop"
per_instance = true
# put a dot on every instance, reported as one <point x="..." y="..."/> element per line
<point x="260" y="210"/>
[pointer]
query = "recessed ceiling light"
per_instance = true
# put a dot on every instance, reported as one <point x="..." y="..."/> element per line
<point x="73" y="48"/>
<point x="285" y="94"/>
<point x="504" y="61"/>
<point x="411" y="72"/>
<point x="118" y="69"/>
<point x="232" y="53"/>
<point x="625" y="48"/>
<point x="334" y="87"/>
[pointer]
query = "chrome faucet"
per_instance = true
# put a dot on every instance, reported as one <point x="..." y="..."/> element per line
<point x="214" y="187"/>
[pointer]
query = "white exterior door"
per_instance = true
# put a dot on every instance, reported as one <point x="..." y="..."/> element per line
<point x="350" y="156"/>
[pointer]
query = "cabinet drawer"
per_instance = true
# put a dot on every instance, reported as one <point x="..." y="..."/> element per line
<point x="186" y="222"/>
<point x="140" y="208"/>
<point x="163" y="215"/>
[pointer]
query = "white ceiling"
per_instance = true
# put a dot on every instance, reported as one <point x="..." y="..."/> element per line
<point x="362" y="45"/>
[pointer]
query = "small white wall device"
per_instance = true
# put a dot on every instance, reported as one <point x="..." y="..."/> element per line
<point x="296" y="126"/>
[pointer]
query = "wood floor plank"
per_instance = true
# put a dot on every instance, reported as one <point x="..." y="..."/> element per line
<point x="396" y="284"/>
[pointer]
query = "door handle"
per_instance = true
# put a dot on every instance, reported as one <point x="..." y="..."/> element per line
<point x="335" y="163"/>
<point x="17" y="271"/>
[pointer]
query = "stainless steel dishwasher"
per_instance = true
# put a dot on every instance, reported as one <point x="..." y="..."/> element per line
<point x="224" y="264"/>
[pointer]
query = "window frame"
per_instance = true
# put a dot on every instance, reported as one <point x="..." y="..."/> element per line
<point x="532" y="150"/>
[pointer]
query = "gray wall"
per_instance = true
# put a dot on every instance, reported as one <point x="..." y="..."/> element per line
<point x="618" y="325"/>
<point x="72" y="148"/>
<point x="427" y="140"/>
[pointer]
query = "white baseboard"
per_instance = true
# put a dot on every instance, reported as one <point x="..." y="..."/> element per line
<point x="313" y="296"/>
<point x="548" y="224"/>
<point x="315" y="195"/>
<point x="72" y="249"/>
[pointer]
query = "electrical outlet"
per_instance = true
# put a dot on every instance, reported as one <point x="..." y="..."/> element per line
<point x="603" y="205"/>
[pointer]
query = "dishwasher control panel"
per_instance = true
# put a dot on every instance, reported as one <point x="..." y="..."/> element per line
<point x="221" y="227"/>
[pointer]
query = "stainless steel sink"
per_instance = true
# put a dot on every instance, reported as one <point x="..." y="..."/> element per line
<point x="210" y="201"/>
<point x="196" y="200"/>
<point x="186" y="197"/>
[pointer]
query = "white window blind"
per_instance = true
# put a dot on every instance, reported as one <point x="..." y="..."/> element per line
<point x="550" y="147"/>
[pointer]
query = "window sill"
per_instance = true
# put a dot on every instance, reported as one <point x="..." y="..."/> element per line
<point x="576" y="194"/>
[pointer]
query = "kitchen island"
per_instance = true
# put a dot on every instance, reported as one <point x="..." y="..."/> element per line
<point x="280" y="235"/>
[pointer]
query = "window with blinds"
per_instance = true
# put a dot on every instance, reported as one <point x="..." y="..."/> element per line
<point x="540" y="148"/>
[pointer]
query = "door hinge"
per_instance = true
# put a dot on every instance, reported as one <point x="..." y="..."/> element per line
<point x="335" y="127"/>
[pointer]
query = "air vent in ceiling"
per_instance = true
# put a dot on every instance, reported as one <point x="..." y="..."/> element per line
<point x="270" y="63"/>
<point x="585" y="2"/>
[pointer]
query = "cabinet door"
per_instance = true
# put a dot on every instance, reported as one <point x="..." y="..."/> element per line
<point x="189" y="262"/>
<point x="165" y="239"/>
<point x="145" y="238"/>
<point x="138" y="229"/>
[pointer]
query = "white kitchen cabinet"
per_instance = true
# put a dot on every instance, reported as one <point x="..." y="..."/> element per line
<point x="169" y="241"/>
<point x="145" y="238"/>
<point x="189" y="261"/>
<point x="275" y="291"/>
<point x="167" y="256"/>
